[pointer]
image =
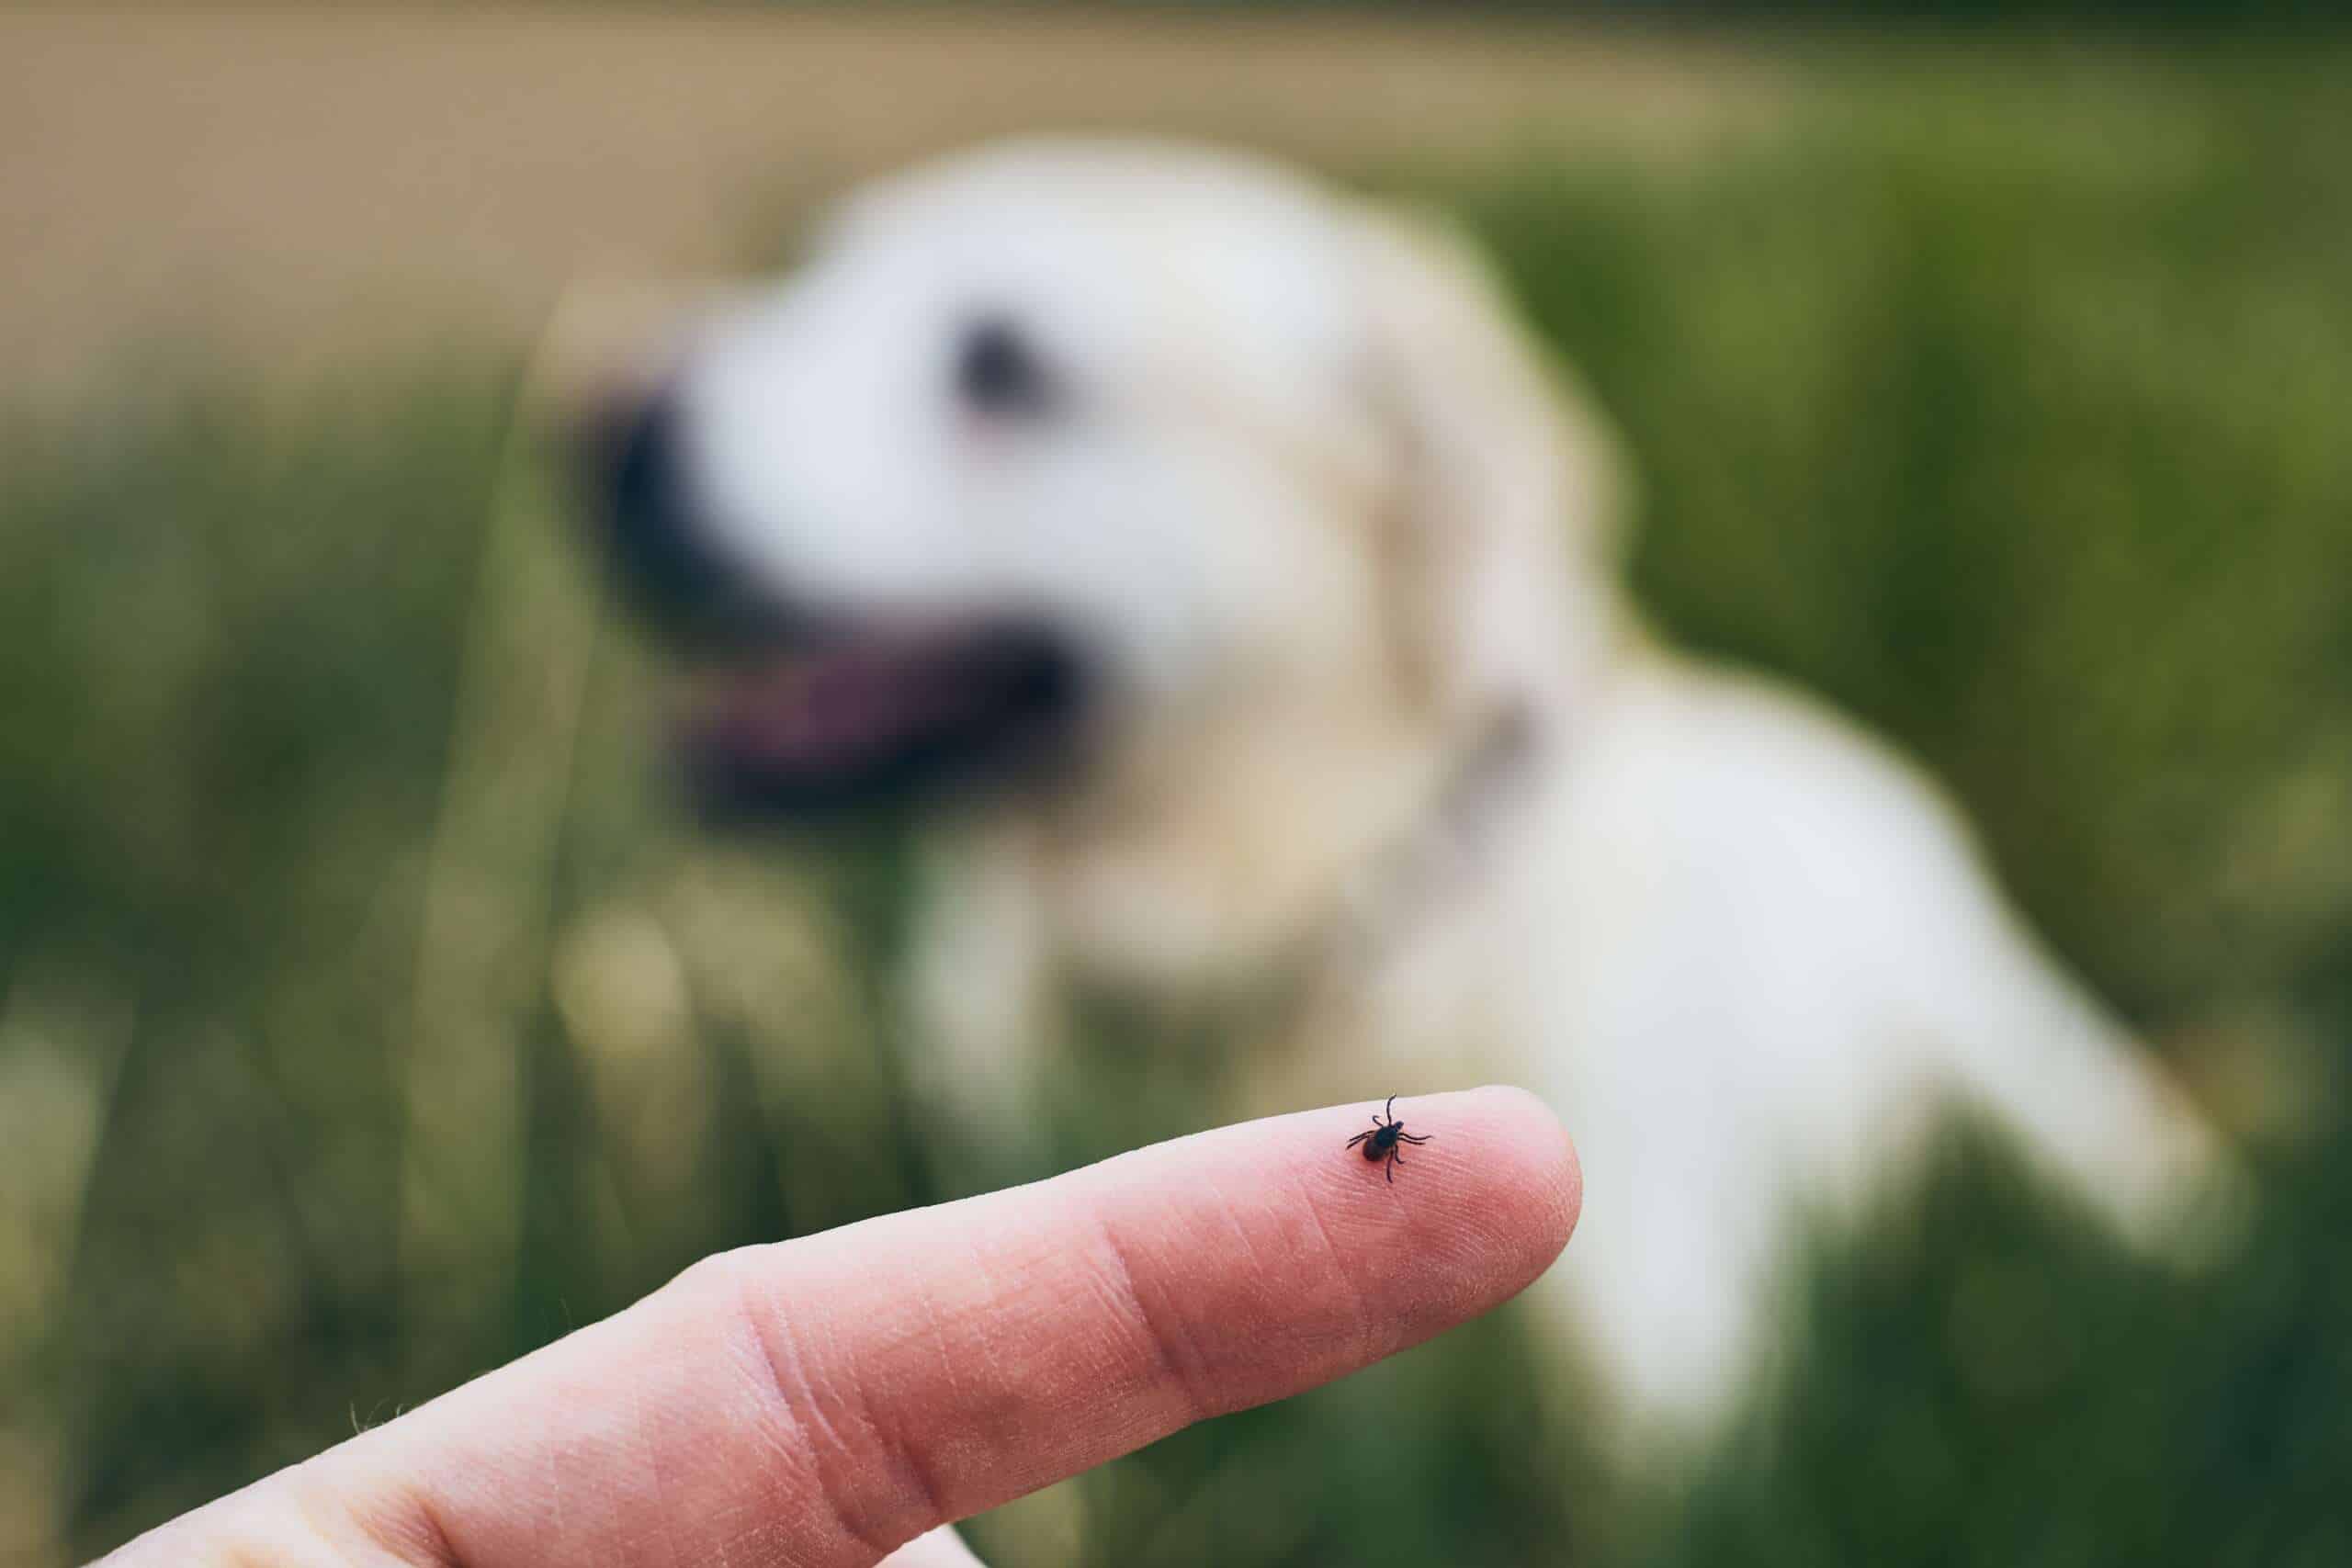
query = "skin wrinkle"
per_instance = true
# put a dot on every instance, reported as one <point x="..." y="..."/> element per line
<point x="1014" y="1293"/>
<point x="775" y="1426"/>
<point x="1359" y="1306"/>
<point x="914" y="1478"/>
<point x="991" y="1351"/>
<point x="260" y="1550"/>
<point x="1352" y="1333"/>
<point x="786" y="1461"/>
<point x="817" y="1360"/>
<point x="318" y="1509"/>
<point x="441" y="1551"/>
<point x="1176" y="1359"/>
<point x="1092" y="1273"/>
<point x="665" y="1491"/>
<point x="798" y="1412"/>
<point x="1342" y="1330"/>
<point x="907" y="1458"/>
<point x="313" y="1517"/>
<point x="1334" y="1264"/>
<point x="409" y="1529"/>
<point x="1230" y="1213"/>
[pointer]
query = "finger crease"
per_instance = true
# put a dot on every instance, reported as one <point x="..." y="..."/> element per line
<point x="1359" y="1305"/>
<point x="914" y="1475"/>
<point x="797" y="1408"/>
<point x="423" y="1539"/>
<point x="1177" y="1359"/>
<point x="406" y="1529"/>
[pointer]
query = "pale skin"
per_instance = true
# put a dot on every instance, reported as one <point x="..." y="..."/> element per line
<point x="843" y="1399"/>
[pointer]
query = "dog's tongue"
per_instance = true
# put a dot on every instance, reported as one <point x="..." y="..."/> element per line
<point x="825" y="710"/>
<point x="856" y="718"/>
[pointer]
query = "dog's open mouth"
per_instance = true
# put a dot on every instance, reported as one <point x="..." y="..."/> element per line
<point x="852" y="716"/>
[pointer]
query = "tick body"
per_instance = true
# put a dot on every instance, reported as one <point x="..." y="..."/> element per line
<point x="1381" y="1144"/>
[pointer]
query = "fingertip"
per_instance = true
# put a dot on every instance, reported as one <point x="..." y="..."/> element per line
<point x="1528" y="1135"/>
<point x="1524" y="1176"/>
<point x="1487" y="1204"/>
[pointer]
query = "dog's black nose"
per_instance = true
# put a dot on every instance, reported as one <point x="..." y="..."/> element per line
<point x="656" y="534"/>
<point x="648" y="508"/>
<point x="642" y="448"/>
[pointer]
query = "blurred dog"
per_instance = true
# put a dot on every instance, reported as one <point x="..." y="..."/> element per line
<point x="1233" y="532"/>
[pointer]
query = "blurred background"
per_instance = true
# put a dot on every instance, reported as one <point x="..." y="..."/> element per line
<point x="371" y="1013"/>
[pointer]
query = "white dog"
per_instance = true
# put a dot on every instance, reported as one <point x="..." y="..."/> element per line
<point x="1237" y="532"/>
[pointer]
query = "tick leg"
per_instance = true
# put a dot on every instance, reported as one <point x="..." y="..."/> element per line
<point x="1424" y="1138"/>
<point x="1391" y="1112"/>
<point x="1359" y="1138"/>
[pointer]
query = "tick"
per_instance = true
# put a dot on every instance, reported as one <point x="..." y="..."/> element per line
<point x="1380" y="1143"/>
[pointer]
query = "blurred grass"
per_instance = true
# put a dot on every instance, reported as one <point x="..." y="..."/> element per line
<point x="2006" y="401"/>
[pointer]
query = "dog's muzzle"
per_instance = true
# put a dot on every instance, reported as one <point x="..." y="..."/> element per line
<point x="809" y="708"/>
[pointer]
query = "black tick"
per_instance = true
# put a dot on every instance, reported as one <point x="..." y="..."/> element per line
<point x="1382" y="1141"/>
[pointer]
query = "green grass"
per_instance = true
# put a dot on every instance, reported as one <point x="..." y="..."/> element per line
<point x="2007" y="400"/>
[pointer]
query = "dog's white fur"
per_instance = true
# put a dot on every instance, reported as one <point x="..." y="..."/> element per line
<point x="1330" y="525"/>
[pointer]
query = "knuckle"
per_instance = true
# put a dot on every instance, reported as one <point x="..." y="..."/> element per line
<point x="872" y="1479"/>
<point x="1173" y="1348"/>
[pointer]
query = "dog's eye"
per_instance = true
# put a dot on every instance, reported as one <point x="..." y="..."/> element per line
<point x="998" y="373"/>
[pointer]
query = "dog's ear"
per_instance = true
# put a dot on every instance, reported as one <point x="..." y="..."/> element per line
<point x="1505" y="487"/>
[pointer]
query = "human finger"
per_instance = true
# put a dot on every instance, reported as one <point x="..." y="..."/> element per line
<point x="826" y="1400"/>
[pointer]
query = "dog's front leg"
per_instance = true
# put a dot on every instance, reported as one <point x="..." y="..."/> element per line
<point x="976" y="1001"/>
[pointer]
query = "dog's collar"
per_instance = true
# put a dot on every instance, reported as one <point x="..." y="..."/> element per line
<point x="1437" y="848"/>
<point x="1402" y="883"/>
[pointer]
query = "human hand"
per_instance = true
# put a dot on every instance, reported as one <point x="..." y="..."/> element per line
<point x="828" y="1401"/>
